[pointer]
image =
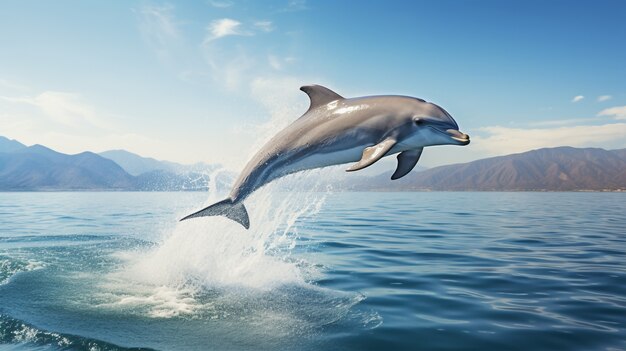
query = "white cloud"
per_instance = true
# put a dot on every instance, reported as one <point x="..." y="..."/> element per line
<point x="229" y="62"/>
<point x="232" y="61"/>
<point x="63" y="108"/>
<point x="265" y="26"/>
<point x="561" y="122"/>
<point x="221" y="4"/>
<point x="617" y="112"/>
<point x="67" y="123"/>
<point x="602" y="98"/>
<point x="498" y="140"/>
<point x="66" y="108"/>
<point x="577" y="98"/>
<point x="222" y="28"/>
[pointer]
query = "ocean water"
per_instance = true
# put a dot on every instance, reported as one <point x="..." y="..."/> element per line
<point x="317" y="271"/>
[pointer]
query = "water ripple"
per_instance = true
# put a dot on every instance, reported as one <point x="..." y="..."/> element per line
<point x="410" y="271"/>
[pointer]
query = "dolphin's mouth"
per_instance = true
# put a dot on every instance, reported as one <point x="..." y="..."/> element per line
<point x="459" y="137"/>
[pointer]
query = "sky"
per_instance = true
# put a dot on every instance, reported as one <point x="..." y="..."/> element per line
<point x="212" y="80"/>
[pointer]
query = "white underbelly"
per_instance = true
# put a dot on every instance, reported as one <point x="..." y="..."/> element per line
<point x="324" y="160"/>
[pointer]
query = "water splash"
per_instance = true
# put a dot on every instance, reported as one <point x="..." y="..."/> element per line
<point x="216" y="252"/>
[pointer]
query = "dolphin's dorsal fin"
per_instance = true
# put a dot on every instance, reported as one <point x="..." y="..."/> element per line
<point x="372" y="154"/>
<point x="406" y="162"/>
<point x="319" y="95"/>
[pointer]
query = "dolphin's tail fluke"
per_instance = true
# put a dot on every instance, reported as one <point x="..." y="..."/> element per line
<point x="227" y="208"/>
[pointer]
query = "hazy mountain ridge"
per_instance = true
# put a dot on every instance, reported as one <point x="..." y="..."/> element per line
<point x="552" y="169"/>
<point x="40" y="168"/>
<point x="137" y="165"/>
<point x="37" y="167"/>
<point x="8" y="145"/>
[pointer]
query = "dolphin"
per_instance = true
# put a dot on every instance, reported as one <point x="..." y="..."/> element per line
<point x="336" y="130"/>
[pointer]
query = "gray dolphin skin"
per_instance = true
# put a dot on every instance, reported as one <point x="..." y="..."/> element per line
<point x="335" y="130"/>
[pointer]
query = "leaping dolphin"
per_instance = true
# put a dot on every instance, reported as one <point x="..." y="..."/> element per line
<point x="335" y="130"/>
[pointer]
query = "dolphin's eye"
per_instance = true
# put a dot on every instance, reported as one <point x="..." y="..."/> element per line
<point x="418" y="121"/>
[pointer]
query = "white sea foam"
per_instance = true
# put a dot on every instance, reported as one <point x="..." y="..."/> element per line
<point x="216" y="252"/>
<point x="146" y="299"/>
<point x="9" y="267"/>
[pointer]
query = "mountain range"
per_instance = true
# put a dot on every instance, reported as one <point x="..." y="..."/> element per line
<point x="136" y="165"/>
<point x="38" y="168"/>
<point x="550" y="169"/>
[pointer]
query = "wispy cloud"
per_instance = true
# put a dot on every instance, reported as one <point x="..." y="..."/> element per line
<point x="68" y="123"/>
<point x="602" y="98"/>
<point x="617" y="112"/>
<point x="577" y="98"/>
<point x="562" y="122"/>
<point x="159" y="28"/>
<point x="275" y="62"/>
<point x="229" y="65"/>
<point x="221" y="4"/>
<point x="232" y="62"/>
<point x="222" y="28"/>
<point x="265" y="26"/>
<point x="64" y="108"/>
<point x="296" y="5"/>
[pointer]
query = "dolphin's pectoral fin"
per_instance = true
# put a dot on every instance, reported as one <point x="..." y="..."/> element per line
<point x="320" y="95"/>
<point x="227" y="208"/>
<point x="372" y="154"/>
<point x="406" y="162"/>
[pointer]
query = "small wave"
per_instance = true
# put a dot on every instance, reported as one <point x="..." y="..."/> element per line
<point x="21" y="335"/>
<point x="9" y="267"/>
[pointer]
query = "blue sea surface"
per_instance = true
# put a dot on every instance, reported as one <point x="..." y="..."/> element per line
<point x="323" y="271"/>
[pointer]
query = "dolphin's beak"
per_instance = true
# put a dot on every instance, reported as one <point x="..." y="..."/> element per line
<point x="461" y="138"/>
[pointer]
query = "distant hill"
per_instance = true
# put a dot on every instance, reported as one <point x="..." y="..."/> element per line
<point x="8" y="145"/>
<point x="136" y="165"/>
<point x="40" y="168"/>
<point x="552" y="169"/>
<point x="37" y="167"/>
<point x="621" y="153"/>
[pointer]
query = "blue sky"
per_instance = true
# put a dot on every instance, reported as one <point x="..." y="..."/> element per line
<point x="211" y="80"/>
